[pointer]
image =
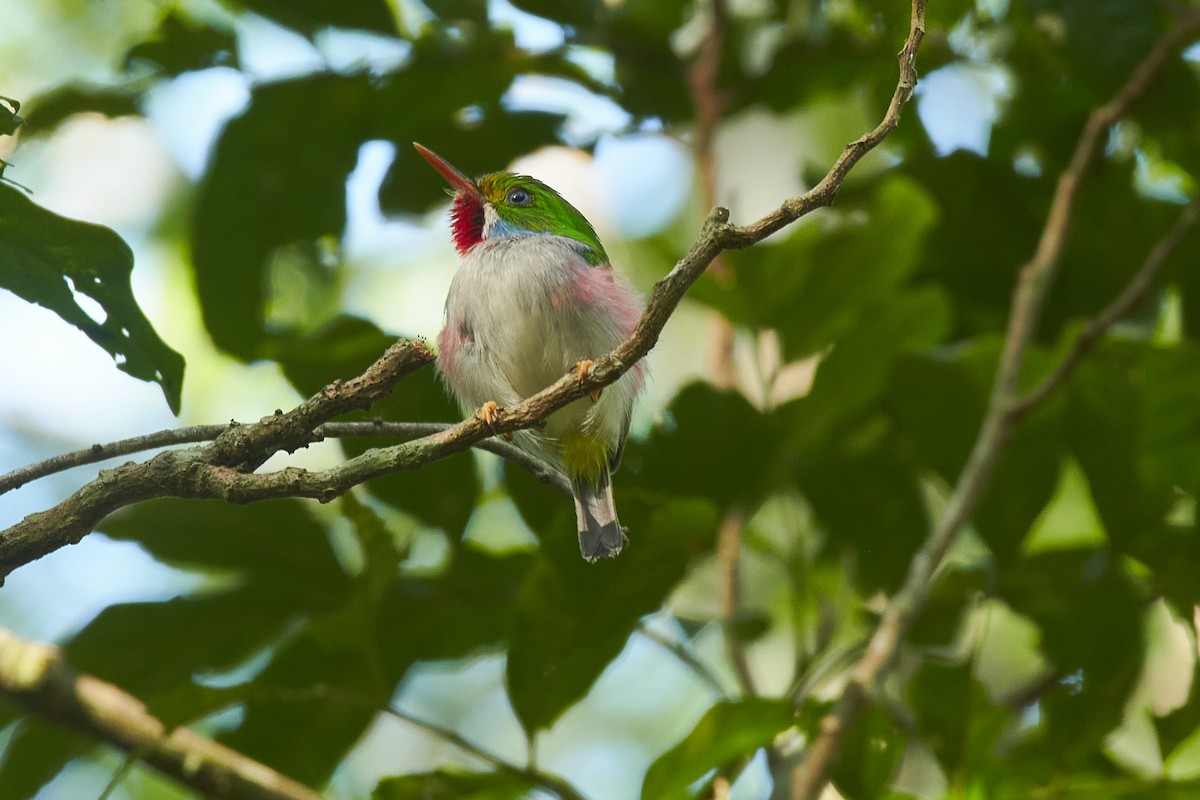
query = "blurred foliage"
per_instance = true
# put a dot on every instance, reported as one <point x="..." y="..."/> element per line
<point x="47" y="259"/>
<point x="1028" y="672"/>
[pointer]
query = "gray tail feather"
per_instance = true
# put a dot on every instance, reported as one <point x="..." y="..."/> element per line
<point x="600" y="533"/>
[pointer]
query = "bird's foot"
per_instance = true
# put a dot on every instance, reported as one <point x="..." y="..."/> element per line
<point x="489" y="412"/>
<point x="581" y="370"/>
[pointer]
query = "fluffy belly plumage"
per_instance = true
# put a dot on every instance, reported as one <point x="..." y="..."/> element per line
<point x="519" y="316"/>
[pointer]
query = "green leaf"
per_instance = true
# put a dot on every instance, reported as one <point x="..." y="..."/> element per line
<point x="1112" y="428"/>
<point x="1169" y="116"/>
<point x="1069" y="520"/>
<point x="1101" y="41"/>
<point x="36" y="753"/>
<point x="740" y="452"/>
<point x="1168" y="432"/>
<point x="943" y="700"/>
<point x="653" y="77"/>
<point x="816" y="286"/>
<point x="1071" y="595"/>
<point x="987" y="226"/>
<point x="581" y="14"/>
<point x="474" y="12"/>
<point x="834" y="63"/>
<point x="434" y="88"/>
<point x="1177" y="727"/>
<point x="181" y="45"/>
<point x="46" y="259"/>
<point x="328" y="682"/>
<point x="277" y="545"/>
<point x="47" y="111"/>
<point x="277" y="179"/>
<point x="443" y="493"/>
<point x="152" y="649"/>
<point x="869" y="756"/>
<point x="852" y="378"/>
<point x="1028" y="469"/>
<point x="938" y="407"/>
<point x="951" y="599"/>
<point x="729" y="730"/>
<point x="381" y="552"/>
<point x="446" y="784"/>
<point x="10" y="120"/>
<point x="323" y="686"/>
<point x="870" y="504"/>
<point x="311" y="16"/>
<point x="1093" y="271"/>
<point x="573" y="618"/>
<point x="467" y="608"/>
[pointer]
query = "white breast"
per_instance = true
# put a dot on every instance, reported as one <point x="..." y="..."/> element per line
<point x="512" y="296"/>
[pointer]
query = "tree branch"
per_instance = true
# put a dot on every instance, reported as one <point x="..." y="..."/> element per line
<point x="827" y="188"/>
<point x="812" y="774"/>
<point x="1133" y="293"/>
<point x="541" y="779"/>
<point x="35" y="677"/>
<point x="191" y="434"/>
<point x="685" y="655"/>
<point x="222" y="469"/>
<point x="377" y="428"/>
<point x="729" y="595"/>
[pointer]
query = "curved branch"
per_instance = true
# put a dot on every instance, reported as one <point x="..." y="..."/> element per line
<point x="812" y="774"/>
<point x="331" y="430"/>
<point x="35" y="677"/>
<point x="223" y="468"/>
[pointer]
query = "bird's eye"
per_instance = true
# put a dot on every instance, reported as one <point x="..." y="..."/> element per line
<point x="519" y="197"/>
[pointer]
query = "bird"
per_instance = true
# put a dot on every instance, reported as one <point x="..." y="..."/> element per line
<point x="535" y="297"/>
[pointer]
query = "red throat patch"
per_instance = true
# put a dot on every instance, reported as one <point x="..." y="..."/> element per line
<point x="466" y="222"/>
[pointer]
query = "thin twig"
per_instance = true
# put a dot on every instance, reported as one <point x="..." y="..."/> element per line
<point x="685" y="655"/>
<point x="541" y="470"/>
<point x="379" y="428"/>
<point x="102" y="452"/>
<point x="224" y="468"/>
<point x="36" y="678"/>
<point x="543" y="780"/>
<point x="1134" y="292"/>
<point x="729" y="595"/>
<point x="812" y="774"/>
<point x="349" y="697"/>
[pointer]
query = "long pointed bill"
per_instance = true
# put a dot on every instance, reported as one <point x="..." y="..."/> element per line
<point x="455" y="178"/>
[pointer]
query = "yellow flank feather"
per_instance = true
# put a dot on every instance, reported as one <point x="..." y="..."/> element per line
<point x="584" y="456"/>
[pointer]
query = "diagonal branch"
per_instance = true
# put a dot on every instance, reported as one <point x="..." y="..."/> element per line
<point x="683" y="652"/>
<point x="223" y="469"/>
<point x="1133" y="293"/>
<point x="810" y="776"/>
<point x="35" y="677"/>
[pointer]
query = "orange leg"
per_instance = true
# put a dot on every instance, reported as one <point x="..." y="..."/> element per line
<point x="582" y="369"/>
<point x="489" y="412"/>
